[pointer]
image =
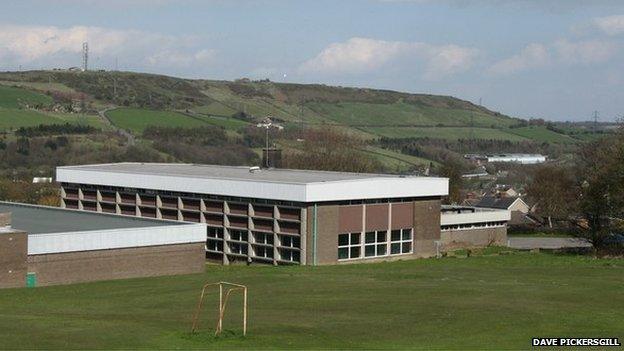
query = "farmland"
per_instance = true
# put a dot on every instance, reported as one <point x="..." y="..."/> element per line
<point x="137" y="120"/>
<point x="449" y="303"/>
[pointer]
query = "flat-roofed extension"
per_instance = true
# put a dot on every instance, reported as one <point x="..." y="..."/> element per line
<point x="43" y="219"/>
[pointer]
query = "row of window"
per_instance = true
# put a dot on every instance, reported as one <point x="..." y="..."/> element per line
<point x="74" y="187"/>
<point x="375" y="244"/>
<point x="258" y="251"/>
<point x="259" y="237"/>
<point x="474" y="225"/>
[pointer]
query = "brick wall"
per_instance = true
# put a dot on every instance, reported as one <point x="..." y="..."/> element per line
<point x="422" y="215"/>
<point x="13" y="254"/>
<point x="470" y="238"/>
<point x="84" y="266"/>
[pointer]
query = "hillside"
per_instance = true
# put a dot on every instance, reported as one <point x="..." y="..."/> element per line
<point x="131" y="102"/>
<point x="354" y="107"/>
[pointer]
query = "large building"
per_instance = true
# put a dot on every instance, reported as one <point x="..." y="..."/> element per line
<point x="271" y="215"/>
<point x="45" y="246"/>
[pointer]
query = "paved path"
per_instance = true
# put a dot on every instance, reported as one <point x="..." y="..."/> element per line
<point x="544" y="243"/>
<point x="107" y="120"/>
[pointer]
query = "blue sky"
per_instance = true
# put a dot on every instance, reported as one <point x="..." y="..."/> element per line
<point x="558" y="60"/>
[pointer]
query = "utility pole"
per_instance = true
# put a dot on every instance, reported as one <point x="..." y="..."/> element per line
<point x="301" y="116"/>
<point x="85" y="56"/>
<point x="595" y="121"/>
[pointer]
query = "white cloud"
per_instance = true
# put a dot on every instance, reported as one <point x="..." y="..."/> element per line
<point x="611" y="25"/>
<point x="364" y="55"/>
<point x="180" y="59"/>
<point x="533" y="55"/>
<point x="585" y="52"/>
<point x="38" y="44"/>
<point x="537" y="55"/>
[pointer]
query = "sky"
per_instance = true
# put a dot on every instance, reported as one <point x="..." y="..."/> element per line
<point x="557" y="60"/>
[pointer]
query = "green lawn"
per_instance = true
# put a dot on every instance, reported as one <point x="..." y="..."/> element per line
<point x="137" y="120"/>
<point x="485" y="302"/>
<point x="11" y="97"/>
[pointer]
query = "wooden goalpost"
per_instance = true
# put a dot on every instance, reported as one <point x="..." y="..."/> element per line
<point x="223" y="300"/>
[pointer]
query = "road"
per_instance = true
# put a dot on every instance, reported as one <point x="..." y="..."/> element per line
<point x="545" y="243"/>
<point x="104" y="117"/>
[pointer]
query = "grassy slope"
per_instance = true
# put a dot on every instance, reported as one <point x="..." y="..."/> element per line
<point x="497" y="302"/>
<point x="137" y="120"/>
<point x="11" y="97"/>
<point x="541" y="134"/>
<point x="351" y="108"/>
<point x="12" y="116"/>
<point x="444" y="133"/>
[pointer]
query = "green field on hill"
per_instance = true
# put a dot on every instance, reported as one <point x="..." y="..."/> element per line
<point x="12" y="97"/>
<point x="541" y="134"/>
<point x="484" y="302"/>
<point x="451" y="133"/>
<point x="403" y="114"/>
<point x="136" y="120"/>
<point x="13" y="118"/>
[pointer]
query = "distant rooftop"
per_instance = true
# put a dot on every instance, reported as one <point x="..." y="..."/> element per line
<point x="277" y="184"/>
<point x="43" y="219"/>
<point x="279" y="175"/>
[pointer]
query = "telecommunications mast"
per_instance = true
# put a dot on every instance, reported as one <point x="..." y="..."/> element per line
<point x="85" y="55"/>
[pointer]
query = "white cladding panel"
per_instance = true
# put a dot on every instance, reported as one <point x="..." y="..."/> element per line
<point x="475" y="217"/>
<point x="369" y="188"/>
<point x="115" y="238"/>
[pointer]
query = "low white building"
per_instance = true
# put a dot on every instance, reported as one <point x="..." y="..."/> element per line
<point x="524" y="159"/>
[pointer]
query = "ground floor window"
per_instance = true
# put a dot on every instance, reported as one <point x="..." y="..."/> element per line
<point x="400" y="241"/>
<point x="375" y="244"/>
<point x="378" y="243"/>
<point x="263" y="251"/>
<point x="349" y="246"/>
<point x="289" y="255"/>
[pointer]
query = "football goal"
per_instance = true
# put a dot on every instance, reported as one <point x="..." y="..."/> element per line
<point x="225" y="290"/>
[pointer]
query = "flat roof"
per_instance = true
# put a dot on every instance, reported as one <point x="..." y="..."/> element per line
<point x="277" y="175"/>
<point x="278" y="184"/>
<point x="35" y="219"/>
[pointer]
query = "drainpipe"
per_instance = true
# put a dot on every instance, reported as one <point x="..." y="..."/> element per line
<point x="314" y="228"/>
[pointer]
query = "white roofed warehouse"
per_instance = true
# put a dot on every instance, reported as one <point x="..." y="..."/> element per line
<point x="271" y="215"/>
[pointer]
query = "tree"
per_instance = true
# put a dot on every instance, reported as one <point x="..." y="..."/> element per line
<point x="601" y="175"/>
<point x="555" y="192"/>
<point x="330" y="150"/>
<point x="452" y="169"/>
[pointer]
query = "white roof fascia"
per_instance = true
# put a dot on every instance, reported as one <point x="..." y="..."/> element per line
<point x="369" y="188"/>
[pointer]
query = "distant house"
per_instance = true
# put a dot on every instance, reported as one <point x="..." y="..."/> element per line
<point x="519" y="209"/>
<point x="503" y="190"/>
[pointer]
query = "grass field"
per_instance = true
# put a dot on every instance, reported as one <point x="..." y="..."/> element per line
<point x="451" y="133"/>
<point x="357" y="113"/>
<point x="541" y="134"/>
<point x="137" y="120"/>
<point x="11" y="97"/>
<point x="14" y="118"/>
<point x="486" y="302"/>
